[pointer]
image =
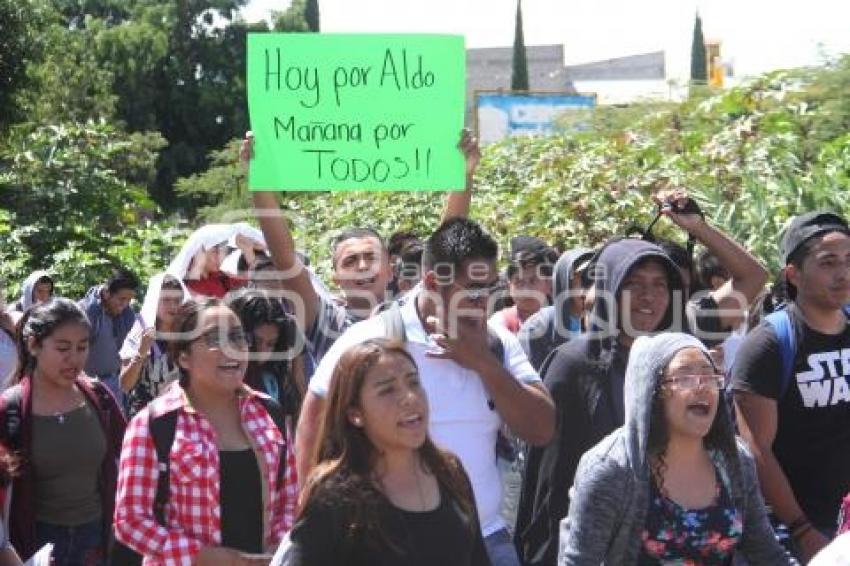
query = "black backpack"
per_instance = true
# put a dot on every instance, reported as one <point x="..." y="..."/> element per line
<point x="163" y="428"/>
<point x="11" y="404"/>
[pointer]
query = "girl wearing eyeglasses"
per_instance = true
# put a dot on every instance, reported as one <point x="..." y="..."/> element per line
<point x="672" y="485"/>
<point x="232" y="483"/>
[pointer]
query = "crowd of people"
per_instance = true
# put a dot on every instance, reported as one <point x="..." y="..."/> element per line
<point x="629" y="403"/>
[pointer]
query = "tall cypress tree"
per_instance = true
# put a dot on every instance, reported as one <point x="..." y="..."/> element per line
<point x="699" y="66"/>
<point x="311" y="14"/>
<point x="519" y="77"/>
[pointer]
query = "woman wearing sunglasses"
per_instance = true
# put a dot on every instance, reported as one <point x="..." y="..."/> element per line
<point x="229" y="500"/>
<point x="672" y="485"/>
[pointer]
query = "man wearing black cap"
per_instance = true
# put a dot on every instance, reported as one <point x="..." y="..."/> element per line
<point x="797" y="421"/>
<point x="529" y="278"/>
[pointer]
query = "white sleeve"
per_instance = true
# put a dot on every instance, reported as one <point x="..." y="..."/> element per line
<point x="356" y="334"/>
<point x="516" y="362"/>
<point x="131" y="343"/>
<point x="497" y="319"/>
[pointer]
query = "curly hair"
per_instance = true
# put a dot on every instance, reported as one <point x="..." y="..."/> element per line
<point x="720" y="436"/>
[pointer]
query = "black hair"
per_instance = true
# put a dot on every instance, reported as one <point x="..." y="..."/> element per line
<point x="39" y="322"/>
<point x="544" y="259"/>
<point x="186" y="327"/>
<point x="709" y="266"/>
<point x="797" y="259"/>
<point x="677" y="252"/>
<point x="122" y="278"/>
<point x="401" y="240"/>
<point x="263" y="263"/>
<point x="44" y="279"/>
<point x="720" y="437"/>
<point x="352" y="233"/>
<point x="458" y="240"/>
<point x="683" y="260"/>
<point x="256" y="308"/>
<point x="171" y="283"/>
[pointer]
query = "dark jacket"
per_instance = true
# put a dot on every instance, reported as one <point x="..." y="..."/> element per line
<point x="122" y="323"/>
<point x="611" y="495"/>
<point x="22" y="527"/>
<point x="585" y="378"/>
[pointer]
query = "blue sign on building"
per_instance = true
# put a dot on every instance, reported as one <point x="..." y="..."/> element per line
<point x="501" y="115"/>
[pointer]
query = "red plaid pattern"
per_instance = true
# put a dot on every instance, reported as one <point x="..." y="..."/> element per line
<point x="193" y="512"/>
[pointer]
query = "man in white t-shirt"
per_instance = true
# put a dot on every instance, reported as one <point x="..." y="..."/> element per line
<point x="471" y="392"/>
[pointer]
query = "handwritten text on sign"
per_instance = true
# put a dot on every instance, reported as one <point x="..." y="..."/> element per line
<point x="354" y="112"/>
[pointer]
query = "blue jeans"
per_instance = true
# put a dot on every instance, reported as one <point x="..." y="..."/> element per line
<point x="501" y="549"/>
<point x="73" y="546"/>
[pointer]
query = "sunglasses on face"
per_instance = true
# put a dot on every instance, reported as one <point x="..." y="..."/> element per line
<point x="217" y="339"/>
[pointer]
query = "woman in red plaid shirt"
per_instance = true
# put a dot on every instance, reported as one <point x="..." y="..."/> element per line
<point x="229" y="502"/>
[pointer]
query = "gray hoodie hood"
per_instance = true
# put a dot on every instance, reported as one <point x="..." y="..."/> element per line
<point x="28" y="287"/>
<point x="648" y="358"/>
<point x="562" y="275"/>
<point x="608" y="270"/>
<point x="566" y="266"/>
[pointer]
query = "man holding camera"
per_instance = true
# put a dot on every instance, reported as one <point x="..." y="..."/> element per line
<point x="638" y="290"/>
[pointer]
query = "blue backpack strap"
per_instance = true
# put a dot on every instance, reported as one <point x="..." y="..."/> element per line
<point x="787" y="340"/>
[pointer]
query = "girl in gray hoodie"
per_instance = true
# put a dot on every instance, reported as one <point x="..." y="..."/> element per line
<point x="671" y="486"/>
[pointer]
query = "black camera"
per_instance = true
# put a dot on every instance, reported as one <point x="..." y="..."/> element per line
<point x="690" y="207"/>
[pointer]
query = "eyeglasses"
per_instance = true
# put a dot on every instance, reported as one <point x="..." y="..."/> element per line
<point x="694" y="380"/>
<point x="217" y="339"/>
<point x="475" y="293"/>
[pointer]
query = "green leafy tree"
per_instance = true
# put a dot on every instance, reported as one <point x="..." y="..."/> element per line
<point x="519" y="75"/>
<point x="311" y="14"/>
<point x="753" y="156"/>
<point x="19" y="23"/>
<point x="67" y="82"/>
<point x="74" y="194"/>
<point x="699" y="64"/>
<point x="293" y="19"/>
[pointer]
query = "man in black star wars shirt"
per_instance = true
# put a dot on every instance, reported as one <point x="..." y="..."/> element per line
<point x="797" y="422"/>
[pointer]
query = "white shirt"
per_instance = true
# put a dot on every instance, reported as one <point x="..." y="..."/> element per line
<point x="836" y="553"/>
<point x="461" y="419"/>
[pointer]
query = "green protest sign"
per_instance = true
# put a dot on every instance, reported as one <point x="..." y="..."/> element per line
<point x="356" y="111"/>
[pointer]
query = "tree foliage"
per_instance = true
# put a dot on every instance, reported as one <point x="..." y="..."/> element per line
<point x="311" y="15"/>
<point x="519" y="74"/>
<point x="120" y="99"/>
<point x="18" y="45"/>
<point x="75" y="201"/>
<point x="753" y="156"/>
<point x="699" y="63"/>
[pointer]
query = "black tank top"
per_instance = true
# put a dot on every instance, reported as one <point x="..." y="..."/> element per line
<point x="241" y="498"/>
